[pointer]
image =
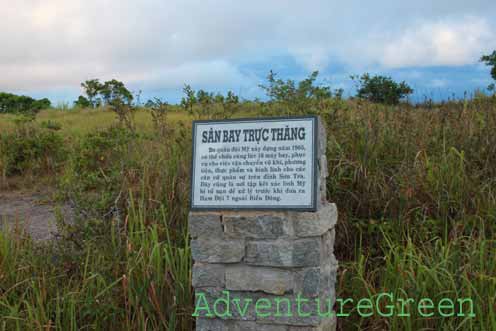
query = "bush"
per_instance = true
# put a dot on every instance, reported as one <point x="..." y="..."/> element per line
<point x="159" y="110"/>
<point x="381" y="89"/>
<point x="93" y="177"/>
<point x="51" y="125"/>
<point x="82" y="102"/>
<point x="304" y="97"/>
<point x="203" y="104"/>
<point x="30" y="148"/>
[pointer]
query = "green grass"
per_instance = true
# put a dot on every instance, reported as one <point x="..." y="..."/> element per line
<point x="415" y="189"/>
<point x="137" y="280"/>
<point x="82" y="121"/>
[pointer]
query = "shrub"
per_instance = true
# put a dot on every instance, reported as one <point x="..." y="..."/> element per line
<point x="189" y="100"/>
<point x="229" y="103"/>
<point x="124" y="111"/>
<point x="30" y="148"/>
<point x="83" y="102"/>
<point x="159" y="109"/>
<point x="203" y="104"/>
<point x="295" y="99"/>
<point x="304" y="97"/>
<point x="93" y="178"/>
<point x="381" y="89"/>
<point x="51" y="125"/>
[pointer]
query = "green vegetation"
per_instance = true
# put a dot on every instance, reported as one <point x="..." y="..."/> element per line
<point x="209" y="105"/>
<point x="100" y="94"/>
<point x="289" y="98"/>
<point x="381" y="89"/>
<point x="11" y="103"/>
<point x="415" y="188"/>
<point x="490" y="60"/>
<point x="29" y="147"/>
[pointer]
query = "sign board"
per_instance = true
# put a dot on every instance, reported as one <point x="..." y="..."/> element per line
<point x="267" y="163"/>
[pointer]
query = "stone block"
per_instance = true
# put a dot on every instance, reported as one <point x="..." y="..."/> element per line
<point x="284" y="253"/>
<point x="309" y="282"/>
<point x="291" y="310"/>
<point x="204" y="324"/>
<point x="208" y="275"/>
<point x="269" y="225"/>
<point x="270" y="253"/>
<point x="327" y="324"/>
<point x="217" y="250"/>
<point x="253" y="326"/>
<point x="308" y="224"/>
<point x="268" y="280"/>
<point x="328" y="276"/>
<point x="205" y="225"/>
<point x="305" y="252"/>
<point x="327" y="253"/>
<point x="210" y="324"/>
<point x="226" y="305"/>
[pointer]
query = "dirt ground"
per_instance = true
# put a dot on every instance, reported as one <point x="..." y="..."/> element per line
<point x="33" y="211"/>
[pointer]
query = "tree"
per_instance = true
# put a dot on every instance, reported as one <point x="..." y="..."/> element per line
<point x="92" y="88"/>
<point x="297" y="98"/>
<point x="381" y="89"/>
<point x="82" y="102"/>
<point x="206" y="102"/>
<point x="189" y="100"/>
<point x="229" y="103"/>
<point x="159" y="109"/>
<point x="11" y="103"/>
<point x="114" y="91"/>
<point x="41" y="104"/>
<point x="490" y="60"/>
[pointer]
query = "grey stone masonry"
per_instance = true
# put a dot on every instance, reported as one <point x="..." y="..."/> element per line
<point x="266" y="270"/>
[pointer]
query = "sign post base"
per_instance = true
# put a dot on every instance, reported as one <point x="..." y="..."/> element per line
<point x="264" y="270"/>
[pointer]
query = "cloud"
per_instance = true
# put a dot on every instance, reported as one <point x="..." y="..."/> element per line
<point x="444" y="42"/>
<point x="55" y="44"/>
<point x="213" y="74"/>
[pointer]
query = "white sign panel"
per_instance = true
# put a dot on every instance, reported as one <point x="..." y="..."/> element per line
<point x="254" y="164"/>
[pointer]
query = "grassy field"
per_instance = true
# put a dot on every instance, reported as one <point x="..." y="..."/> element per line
<point x="415" y="188"/>
<point x="83" y="121"/>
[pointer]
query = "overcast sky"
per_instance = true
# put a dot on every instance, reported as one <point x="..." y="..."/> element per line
<point x="47" y="48"/>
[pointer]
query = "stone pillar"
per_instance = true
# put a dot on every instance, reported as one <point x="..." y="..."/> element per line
<point x="273" y="258"/>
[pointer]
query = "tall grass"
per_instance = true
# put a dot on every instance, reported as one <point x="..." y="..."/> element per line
<point x="135" y="278"/>
<point x="416" y="190"/>
<point x="462" y="269"/>
<point x="415" y="187"/>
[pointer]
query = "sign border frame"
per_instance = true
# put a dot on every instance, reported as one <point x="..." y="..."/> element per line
<point x="314" y="188"/>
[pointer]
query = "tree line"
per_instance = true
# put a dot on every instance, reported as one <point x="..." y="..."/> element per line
<point x="295" y="96"/>
<point x="12" y="103"/>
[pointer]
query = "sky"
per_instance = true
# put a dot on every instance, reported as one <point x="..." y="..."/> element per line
<point x="47" y="48"/>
